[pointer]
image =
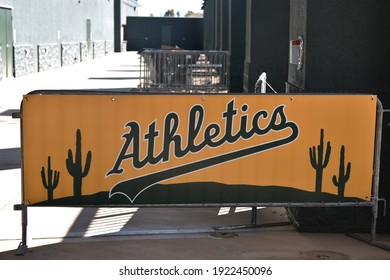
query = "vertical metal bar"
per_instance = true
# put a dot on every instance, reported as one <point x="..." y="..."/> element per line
<point x="22" y="248"/>
<point x="145" y="69"/>
<point x="254" y="216"/>
<point x="227" y="71"/>
<point x="190" y="70"/>
<point x="165" y="70"/>
<point x="377" y="154"/>
<point x="140" y="71"/>
<point x="23" y="245"/>
<point x="159" y="68"/>
<point x="24" y="224"/>
<point x="149" y="69"/>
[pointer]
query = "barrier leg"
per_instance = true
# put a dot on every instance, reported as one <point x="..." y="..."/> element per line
<point x="22" y="248"/>
<point x="254" y="216"/>
<point x="373" y="222"/>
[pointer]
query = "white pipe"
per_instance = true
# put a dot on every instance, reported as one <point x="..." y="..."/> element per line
<point x="263" y="79"/>
<point x="262" y="84"/>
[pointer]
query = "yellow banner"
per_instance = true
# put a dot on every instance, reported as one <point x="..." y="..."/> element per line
<point x="109" y="149"/>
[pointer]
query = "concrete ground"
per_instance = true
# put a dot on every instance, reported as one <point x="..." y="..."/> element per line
<point x="141" y="233"/>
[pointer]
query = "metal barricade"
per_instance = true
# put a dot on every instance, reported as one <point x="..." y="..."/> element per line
<point x="184" y="71"/>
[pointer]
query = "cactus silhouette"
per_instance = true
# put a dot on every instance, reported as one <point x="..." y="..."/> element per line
<point x="75" y="166"/>
<point x="319" y="160"/>
<point x="343" y="174"/>
<point x="50" y="183"/>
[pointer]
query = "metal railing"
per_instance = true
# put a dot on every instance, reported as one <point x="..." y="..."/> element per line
<point x="184" y="71"/>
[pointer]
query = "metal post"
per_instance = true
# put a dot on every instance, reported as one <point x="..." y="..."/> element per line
<point x="254" y="216"/>
<point x="377" y="153"/>
<point x="22" y="248"/>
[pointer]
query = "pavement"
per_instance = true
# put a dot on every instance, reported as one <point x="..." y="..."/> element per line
<point x="208" y="233"/>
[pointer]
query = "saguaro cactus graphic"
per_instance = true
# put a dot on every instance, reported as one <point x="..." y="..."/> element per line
<point x="50" y="183"/>
<point x="75" y="167"/>
<point x="343" y="174"/>
<point x="319" y="160"/>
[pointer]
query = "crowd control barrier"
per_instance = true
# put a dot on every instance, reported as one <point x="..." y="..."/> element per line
<point x="114" y="149"/>
<point x="183" y="71"/>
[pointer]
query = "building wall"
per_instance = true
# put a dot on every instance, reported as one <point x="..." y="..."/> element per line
<point x="60" y="30"/>
<point x="61" y="21"/>
<point x="237" y="23"/>
<point x="148" y="32"/>
<point x="346" y="44"/>
<point x="256" y="33"/>
<point x="207" y="22"/>
<point x="267" y="43"/>
<point x="122" y="9"/>
<point x="46" y="24"/>
<point x="224" y="29"/>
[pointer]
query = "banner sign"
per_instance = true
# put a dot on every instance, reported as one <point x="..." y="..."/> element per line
<point x="145" y="149"/>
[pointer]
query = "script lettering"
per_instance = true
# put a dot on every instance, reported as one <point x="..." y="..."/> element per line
<point x="213" y="136"/>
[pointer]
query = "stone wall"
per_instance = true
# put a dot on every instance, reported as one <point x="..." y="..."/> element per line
<point x="48" y="56"/>
<point x="70" y="53"/>
<point x="24" y="60"/>
<point x="109" y="48"/>
<point x="99" y="49"/>
<point x="29" y="59"/>
<point x="84" y="51"/>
